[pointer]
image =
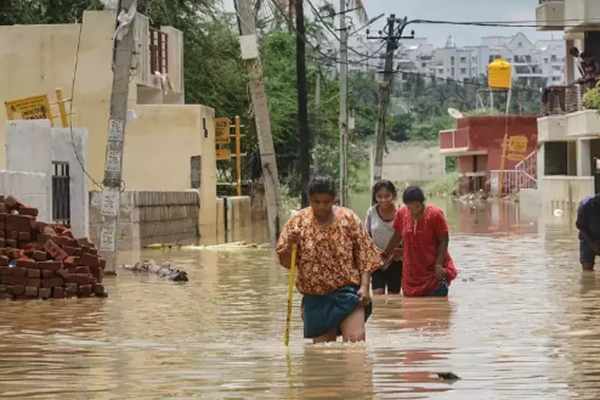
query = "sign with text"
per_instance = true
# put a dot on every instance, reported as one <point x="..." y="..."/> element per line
<point x="36" y="107"/>
<point x="223" y="154"/>
<point x="222" y="128"/>
<point x="517" y="144"/>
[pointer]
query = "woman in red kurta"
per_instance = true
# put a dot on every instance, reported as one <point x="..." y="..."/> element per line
<point x="428" y="267"/>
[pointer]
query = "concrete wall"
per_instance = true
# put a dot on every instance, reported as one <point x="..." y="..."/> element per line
<point x="32" y="146"/>
<point x="151" y="217"/>
<point x="414" y="162"/>
<point x="30" y="188"/>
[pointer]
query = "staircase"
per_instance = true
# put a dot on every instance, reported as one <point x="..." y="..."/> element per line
<point x="524" y="176"/>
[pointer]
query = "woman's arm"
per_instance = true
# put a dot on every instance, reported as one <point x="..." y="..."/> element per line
<point x="440" y="225"/>
<point x="396" y="238"/>
<point x="366" y="257"/>
<point x="284" y="245"/>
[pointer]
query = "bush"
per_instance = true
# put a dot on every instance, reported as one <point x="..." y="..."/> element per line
<point x="591" y="99"/>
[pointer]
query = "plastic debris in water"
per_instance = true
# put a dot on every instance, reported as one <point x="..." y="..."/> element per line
<point x="448" y="376"/>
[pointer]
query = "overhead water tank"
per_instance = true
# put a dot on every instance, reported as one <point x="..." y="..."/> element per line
<point x="499" y="74"/>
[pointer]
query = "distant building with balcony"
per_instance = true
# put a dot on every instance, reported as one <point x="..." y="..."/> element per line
<point x="569" y="135"/>
<point x="477" y="142"/>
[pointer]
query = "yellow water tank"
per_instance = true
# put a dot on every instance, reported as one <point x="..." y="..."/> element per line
<point x="499" y="75"/>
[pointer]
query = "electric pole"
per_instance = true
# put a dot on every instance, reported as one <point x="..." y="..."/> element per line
<point x="124" y="48"/>
<point x="303" y="137"/>
<point x="250" y="55"/>
<point x="343" y="106"/>
<point x="392" y="39"/>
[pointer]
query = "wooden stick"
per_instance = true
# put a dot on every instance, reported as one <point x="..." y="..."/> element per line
<point x="288" y="321"/>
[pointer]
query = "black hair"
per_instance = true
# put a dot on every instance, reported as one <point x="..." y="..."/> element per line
<point x="321" y="184"/>
<point x="574" y="51"/>
<point x="384" y="184"/>
<point x="412" y="194"/>
<point x="585" y="54"/>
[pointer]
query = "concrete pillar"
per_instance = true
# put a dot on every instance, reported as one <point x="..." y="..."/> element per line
<point x="541" y="162"/>
<point x="583" y="158"/>
<point x="572" y="158"/>
<point x="571" y="68"/>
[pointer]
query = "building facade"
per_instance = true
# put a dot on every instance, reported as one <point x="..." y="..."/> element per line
<point x="569" y="134"/>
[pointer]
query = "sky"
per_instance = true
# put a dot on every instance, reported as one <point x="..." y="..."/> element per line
<point x="455" y="10"/>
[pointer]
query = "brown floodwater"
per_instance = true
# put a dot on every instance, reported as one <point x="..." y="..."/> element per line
<point x="522" y="322"/>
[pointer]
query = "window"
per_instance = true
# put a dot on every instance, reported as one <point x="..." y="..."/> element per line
<point x="554" y="58"/>
<point x="545" y="61"/>
<point x="463" y="60"/>
<point x="453" y="72"/>
<point x="452" y="60"/>
<point x="463" y="71"/>
<point x="424" y="65"/>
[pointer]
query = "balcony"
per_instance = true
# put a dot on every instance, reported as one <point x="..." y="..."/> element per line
<point x="581" y="15"/>
<point x="550" y="15"/>
<point x="565" y="117"/>
<point x="160" y="56"/>
<point x="455" y="142"/>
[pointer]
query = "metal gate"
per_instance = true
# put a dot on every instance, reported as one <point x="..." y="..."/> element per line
<point x="61" y="193"/>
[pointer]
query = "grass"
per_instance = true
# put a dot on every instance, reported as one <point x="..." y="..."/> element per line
<point x="443" y="186"/>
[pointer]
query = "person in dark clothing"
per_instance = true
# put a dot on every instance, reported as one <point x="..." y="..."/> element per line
<point x="588" y="224"/>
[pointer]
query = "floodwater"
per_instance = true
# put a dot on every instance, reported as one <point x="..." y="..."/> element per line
<point x="522" y="322"/>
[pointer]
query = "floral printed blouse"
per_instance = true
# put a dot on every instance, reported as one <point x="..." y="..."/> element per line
<point x="330" y="258"/>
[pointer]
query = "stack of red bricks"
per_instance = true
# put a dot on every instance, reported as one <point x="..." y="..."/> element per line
<point x="40" y="260"/>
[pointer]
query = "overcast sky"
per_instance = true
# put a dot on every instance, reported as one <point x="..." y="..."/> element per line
<point x="456" y="10"/>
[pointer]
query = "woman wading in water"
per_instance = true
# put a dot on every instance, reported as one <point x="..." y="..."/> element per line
<point x="335" y="260"/>
<point x="379" y="226"/>
<point x="428" y="268"/>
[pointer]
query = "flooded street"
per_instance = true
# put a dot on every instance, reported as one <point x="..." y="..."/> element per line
<point x="522" y="322"/>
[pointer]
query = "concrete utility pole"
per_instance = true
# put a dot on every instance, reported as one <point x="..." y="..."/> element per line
<point x="124" y="43"/>
<point x="251" y="57"/>
<point x="343" y="106"/>
<point x="385" y="89"/>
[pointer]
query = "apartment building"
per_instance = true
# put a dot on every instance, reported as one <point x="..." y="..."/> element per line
<point x="544" y="59"/>
<point x="568" y="133"/>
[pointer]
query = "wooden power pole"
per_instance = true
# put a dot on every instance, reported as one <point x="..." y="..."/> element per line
<point x="343" y="106"/>
<point x="303" y="136"/>
<point x="124" y="49"/>
<point x="251" y="57"/>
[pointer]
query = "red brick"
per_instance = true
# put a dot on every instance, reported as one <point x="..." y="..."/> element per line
<point x="19" y="219"/>
<point x="80" y="279"/>
<point x="48" y="230"/>
<point x="14" y="254"/>
<point x="6" y="296"/>
<point x="12" y="280"/>
<point x="54" y="250"/>
<point x="5" y="289"/>
<point x="70" y="250"/>
<point x="73" y="243"/>
<point x="85" y="290"/>
<point x="11" y="243"/>
<point x="102" y="263"/>
<point x="35" y="283"/>
<point x="5" y="270"/>
<point x="3" y="214"/>
<point x="85" y="249"/>
<point x="59" y="228"/>
<point x="48" y="274"/>
<point x="11" y="201"/>
<point x="45" y="293"/>
<point x="19" y="272"/>
<point x="18" y="289"/>
<point x="51" y="265"/>
<point x="28" y="210"/>
<point x="42" y="238"/>
<point x="53" y="282"/>
<point x="68" y="233"/>
<point x="40" y="255"/>
<point x="14" y="235"/>
<point x="26" y="264"/>
<point x="34" y="273"/>
<point x="29" y="253"/>
<point x="31" y="291"/>
<point x="58" y="293"/>
<point x="71" y="288"/>
<point x="90" y="260"/>
<point x="93" y="251"/>
<point x="97" y="273"/>
<point x="60" y="240"/>
<point x="2" y="241"/>
<point x="63" y="273"/>
<point x="2" y="231"/>
<point x="83" y="241"/>
<point x="83" y="270"/>
<point x="24" y="237"/>
<point x="4" y="252"/>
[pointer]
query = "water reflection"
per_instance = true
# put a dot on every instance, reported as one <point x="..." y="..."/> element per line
<point x="522" y="322"/>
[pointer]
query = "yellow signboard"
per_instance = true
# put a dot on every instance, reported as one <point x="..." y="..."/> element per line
<point x="36" y="107"/>
<point x="222" y="127"/>
<point x="515" y="157"/>
<point x="223" y="154"/>
<point x="517" y="144"/>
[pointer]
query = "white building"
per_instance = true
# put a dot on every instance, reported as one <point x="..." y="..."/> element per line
<point x="569" y="134"/>
<point x="543" y="59"/>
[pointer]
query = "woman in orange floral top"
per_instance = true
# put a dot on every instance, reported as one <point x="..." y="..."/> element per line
<point x="335" y="260"/>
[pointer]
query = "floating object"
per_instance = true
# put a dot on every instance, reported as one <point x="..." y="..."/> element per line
<point x="164" y="270"/>
<point x="448" y="376"/>
<point x="558" y="212"/>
